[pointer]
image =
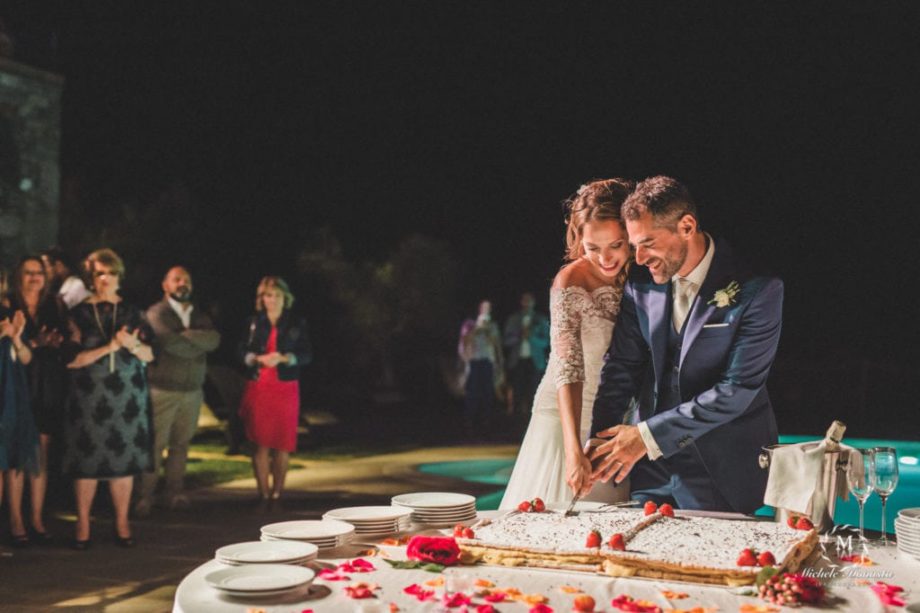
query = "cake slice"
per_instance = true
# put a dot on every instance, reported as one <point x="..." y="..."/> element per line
<point x="706" y="549"/>
<point x="549" y="539"/>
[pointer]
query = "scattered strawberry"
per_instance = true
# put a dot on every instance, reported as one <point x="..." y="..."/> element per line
<point x="747" y="558"/>
<point x="525" y="507"/>
<point x="594" y="539"/>
<point x="650" y="507"/>
<point x="666" y="510"/>
<point x="765" y="558"/>
<point x="458" y="530"/>
<point x="538" y="505"/>
<point x="790" y="521"/>
<point x="468" y="533"/>
<point x="583" y="604"/>
<point x="616" y="542"/>
<point x="804" y="523"/>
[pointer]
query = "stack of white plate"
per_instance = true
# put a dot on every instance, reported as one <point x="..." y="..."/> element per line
<point x="373" y="522"/>
<point x="438" y="509"/>
<point x="325" y="534"/>
<point x="267" y="552"/>
<point x="260" y="580"/>
<point x="907" y="529"/>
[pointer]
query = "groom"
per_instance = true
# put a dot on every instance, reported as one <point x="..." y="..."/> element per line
<point x="699" y="333"/>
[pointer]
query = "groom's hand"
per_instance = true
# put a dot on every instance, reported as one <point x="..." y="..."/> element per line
<point x="617" y="456"/>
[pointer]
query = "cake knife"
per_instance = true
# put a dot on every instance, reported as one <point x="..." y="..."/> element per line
<point x="569" y="511"/>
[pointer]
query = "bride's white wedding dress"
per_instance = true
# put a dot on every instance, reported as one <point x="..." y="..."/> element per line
<point x="581" y="326"/>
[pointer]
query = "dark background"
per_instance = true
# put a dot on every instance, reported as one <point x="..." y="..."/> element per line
<point x="794" y="125"/>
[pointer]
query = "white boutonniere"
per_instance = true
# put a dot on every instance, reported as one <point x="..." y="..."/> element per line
<point x="725" y="296"/>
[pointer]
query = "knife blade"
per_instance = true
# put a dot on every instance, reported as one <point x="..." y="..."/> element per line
<point x="569" y="511"/>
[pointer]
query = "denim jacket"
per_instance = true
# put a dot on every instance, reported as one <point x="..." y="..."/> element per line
<point x="292" y="340"/>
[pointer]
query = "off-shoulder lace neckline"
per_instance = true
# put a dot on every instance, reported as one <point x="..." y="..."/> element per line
<point x="587" y="291"/>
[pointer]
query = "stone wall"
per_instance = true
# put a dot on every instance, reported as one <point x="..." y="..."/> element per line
<point x="30" y="136"/>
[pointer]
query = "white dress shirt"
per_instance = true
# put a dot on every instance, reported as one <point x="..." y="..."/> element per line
<point x="184" y="311"/>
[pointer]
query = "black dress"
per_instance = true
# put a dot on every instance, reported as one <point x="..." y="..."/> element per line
<point x="47" y="370"/>
<point x="107" y="432"/>
<point x="18" y="436"/>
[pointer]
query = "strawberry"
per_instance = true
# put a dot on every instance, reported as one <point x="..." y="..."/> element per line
<point x="666" y="510"/>
<point x="594" y="539"/>
<point x="616" y="542"/>
<point x="650" y="507"/>
<point x="583" y="604"/>
<point x="804" y="523"/>
<point x="458" y="530"/>
<point x="790" y="521"/>
<point x="538" y="505"/>
<point x="747" y="558"/>
<point x="765" y="558"/>
<point x="468" y="533"/>
<point x="525" y="507"/>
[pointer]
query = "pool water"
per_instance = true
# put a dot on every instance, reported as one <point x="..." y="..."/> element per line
<point x="907" y="494"/>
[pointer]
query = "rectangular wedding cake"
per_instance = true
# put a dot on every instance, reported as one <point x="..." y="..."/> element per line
<point x="696" y="549"/>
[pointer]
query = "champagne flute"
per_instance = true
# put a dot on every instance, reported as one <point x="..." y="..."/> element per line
<point x="860" y="465"/>
<point x="884" y="479"/>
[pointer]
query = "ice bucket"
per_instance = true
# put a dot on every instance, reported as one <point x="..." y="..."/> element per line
<point x="831" y="481"/>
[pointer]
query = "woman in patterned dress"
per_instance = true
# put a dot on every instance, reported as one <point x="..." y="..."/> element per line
<point x="584" y="302"/>
<point x="107" y="431"/>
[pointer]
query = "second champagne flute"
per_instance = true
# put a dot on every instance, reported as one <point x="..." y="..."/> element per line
<point x="859" y="480"/>
<point x="884" y="479"/>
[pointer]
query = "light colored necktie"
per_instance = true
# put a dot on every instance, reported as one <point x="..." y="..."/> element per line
<point x="681" y="302"/>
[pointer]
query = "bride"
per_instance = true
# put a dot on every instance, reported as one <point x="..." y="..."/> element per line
<point x="584" y="302"/>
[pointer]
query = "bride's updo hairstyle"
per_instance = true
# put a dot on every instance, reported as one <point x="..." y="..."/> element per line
<point x="594" y="201"/>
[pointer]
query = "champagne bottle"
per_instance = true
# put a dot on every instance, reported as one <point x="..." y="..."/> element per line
<point x="834" y="435"/>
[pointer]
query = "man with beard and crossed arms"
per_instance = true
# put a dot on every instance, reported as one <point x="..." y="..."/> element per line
<point x="696" y="335"/>
<point x="183" y="336"/>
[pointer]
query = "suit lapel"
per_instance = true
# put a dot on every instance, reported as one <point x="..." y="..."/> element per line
<point x="656" y="309"/>
<point x="716" y="278"/>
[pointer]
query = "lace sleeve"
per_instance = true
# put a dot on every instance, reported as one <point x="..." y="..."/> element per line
<point x="566" y="307"/>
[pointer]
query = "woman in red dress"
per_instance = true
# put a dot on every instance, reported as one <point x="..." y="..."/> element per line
<point x="275" y="347"/>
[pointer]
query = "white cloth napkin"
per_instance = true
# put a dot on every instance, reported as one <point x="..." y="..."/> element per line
<point x="794" y="476"/>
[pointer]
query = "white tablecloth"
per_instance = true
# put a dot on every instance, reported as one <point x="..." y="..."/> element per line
<point x="848" y="592"/>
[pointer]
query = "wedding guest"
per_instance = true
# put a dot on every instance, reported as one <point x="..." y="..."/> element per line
<point x="584" y="301"/>
<point x="526" y="340"/>
<point x="45" y="327"/>
<point x="481" y="349"/>
<point x="65" y="277"/>
<point x="18" y="435"/>
<point x="106" y="431"/>
<point x="183" y="336"/>
<point x="275" y="347"/>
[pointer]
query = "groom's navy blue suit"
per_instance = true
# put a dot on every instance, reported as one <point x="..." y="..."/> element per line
<point x="703" y="394"/>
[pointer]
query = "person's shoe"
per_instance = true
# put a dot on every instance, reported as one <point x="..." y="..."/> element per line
<point x="123" y="541"/>
<point x="179" y="502"/>
<point x="142" y="508"/>
<point x="42" y="538"/>
<point x="81" y="545"/>
<point x="19" y="541"/>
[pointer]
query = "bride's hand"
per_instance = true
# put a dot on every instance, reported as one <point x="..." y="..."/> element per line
<point x="578" y="473"/>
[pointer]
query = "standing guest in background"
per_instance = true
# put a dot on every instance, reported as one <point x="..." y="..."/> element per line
<point x="45" y="327"/>
<point x="183" y="336"/>
<point x="275" y="347"/>
<point x="18" y="436"/>
<point x="526" y="340"/>
<point x="481" y="348"/>
<point x="65" y="279"/>
<point x="106" y="431"/>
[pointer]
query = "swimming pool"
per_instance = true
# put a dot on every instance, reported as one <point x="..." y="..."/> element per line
<point x="498" y="471"/>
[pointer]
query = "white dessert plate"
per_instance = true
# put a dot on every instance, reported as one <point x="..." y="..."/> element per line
<point x="259" y="578"/>
<point x="308" y="529"/>
<point x="912" y="514"/>
<point x="368" y="514"/>
<point x="426" y="500"/>
<point x="259" y="552"/>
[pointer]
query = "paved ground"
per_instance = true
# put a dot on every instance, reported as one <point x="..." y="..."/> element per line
<point x="170" y="544"/>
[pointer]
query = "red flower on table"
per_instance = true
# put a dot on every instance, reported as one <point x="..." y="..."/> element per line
<point x="888" y="594"/>
<point x="486" y="608"/>
<point x="540" y="608"/>
<point x="435" y="549"/>
<point x="329" y="574"/>
<point x="630" y="604"/>
<point x="356" y="566"/>
<point x="457" y="599"/>
<point x="361" y="590"/>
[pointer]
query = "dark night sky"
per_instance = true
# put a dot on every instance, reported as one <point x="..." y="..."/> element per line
<point x="795" y="126"/>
